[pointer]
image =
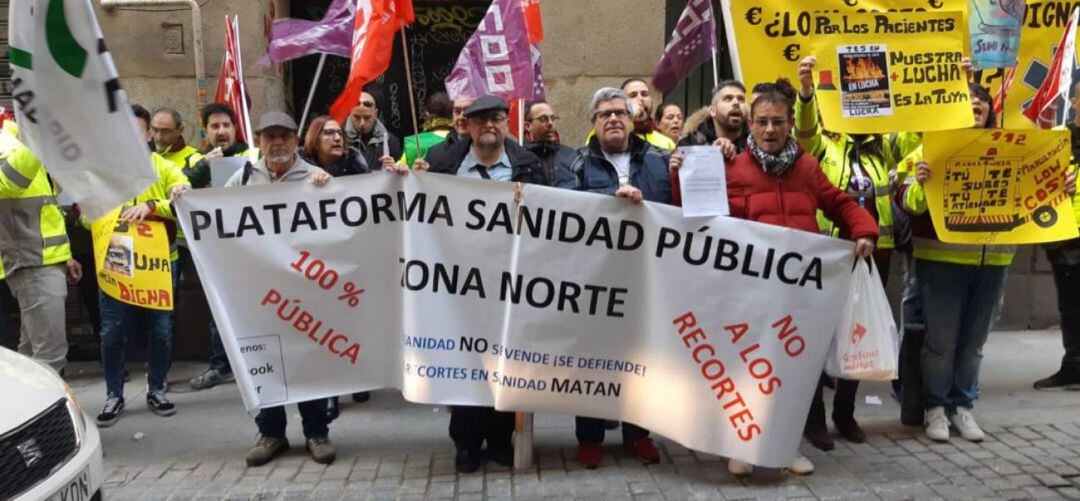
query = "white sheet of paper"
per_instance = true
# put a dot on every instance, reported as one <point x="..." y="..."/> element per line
<point x="222" y="168"/>
<point x="703" y="182"/>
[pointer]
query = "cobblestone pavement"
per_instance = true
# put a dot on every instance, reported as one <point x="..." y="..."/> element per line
<point x="390" y="449"/>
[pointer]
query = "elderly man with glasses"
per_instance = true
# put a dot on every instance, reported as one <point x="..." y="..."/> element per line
<point x="616" y="162"/>
<point x="485" y="153"/>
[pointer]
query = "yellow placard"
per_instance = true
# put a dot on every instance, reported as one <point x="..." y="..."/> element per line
<point x="886" y="72"/>
<point x="999" y="186"/>
<point x="132" y="261"/>
<point x="768" y="38"/>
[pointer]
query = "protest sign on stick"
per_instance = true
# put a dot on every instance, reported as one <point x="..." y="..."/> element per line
<point x="994" y="27"/>
<point x="887" y="72"/>
<point x="768" y="38"/>
<point x="999" y="186"/>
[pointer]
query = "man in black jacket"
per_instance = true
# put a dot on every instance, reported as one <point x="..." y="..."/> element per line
<point x="728" y="117"/>
<point x="366" y="134"/>
<point x="485" y="153"/>
<point x="543" y="138"/>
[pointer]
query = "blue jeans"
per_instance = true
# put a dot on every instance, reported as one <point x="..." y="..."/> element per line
<point x="117" y="321"/>
<point x="219" y="360"/>
<point x="959" y="303"/>
<point x="271" y="420"/>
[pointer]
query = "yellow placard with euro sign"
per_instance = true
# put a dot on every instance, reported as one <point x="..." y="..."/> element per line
<point x="999" y="186"/>
<point x="887" y="72"/>
<point x="132" y="261"/>
<point x="768" y="38"/>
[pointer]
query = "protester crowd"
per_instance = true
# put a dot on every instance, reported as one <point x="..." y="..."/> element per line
<point x="782" y="168"/>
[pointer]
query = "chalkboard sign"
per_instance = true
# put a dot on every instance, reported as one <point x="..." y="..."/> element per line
<point x="441" y="29"/>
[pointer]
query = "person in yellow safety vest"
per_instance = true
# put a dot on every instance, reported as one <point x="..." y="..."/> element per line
<point x="640" y="94"/>
<point x="118" y="318"/>
<point x="34" y="250"/>
<point x="1064" y="260"/>
<point x="863" y="166"/>
<point x="167" y="131"/>
<point x="961" y="286"/>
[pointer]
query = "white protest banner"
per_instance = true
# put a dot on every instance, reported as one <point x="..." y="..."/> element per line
<point x="569" y="302"/>
<point x="71" y="110"/>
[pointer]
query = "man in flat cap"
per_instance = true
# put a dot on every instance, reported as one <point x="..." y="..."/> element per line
<point x="485" y="153"/>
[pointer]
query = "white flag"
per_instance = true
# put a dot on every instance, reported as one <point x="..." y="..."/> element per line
<point x="71" y="110"/>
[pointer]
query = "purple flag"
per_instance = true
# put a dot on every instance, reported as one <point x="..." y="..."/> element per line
<point x="293" y="38"/>
<point x="497" y="59"/>
<point x="539" y="92"/>
<point x="692" y="43"/>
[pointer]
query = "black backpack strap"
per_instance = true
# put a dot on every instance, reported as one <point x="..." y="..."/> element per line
<point x="248" y="169"/>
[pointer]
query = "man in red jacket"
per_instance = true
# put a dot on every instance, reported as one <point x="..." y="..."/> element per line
<point x="775" y="182"/>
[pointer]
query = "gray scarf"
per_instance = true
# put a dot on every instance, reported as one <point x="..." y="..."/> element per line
<point x="776" y="164"/>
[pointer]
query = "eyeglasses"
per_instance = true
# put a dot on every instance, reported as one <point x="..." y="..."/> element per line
<point x="764" y="123"/>
<point x="332" y="133"/>
<point x="163" y="132"/>
<point x="607" y="114"/>
<point x="546" y="119"/>
<point x="494" y="119"/>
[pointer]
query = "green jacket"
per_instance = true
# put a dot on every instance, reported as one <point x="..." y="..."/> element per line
<point x="427" y="140"/>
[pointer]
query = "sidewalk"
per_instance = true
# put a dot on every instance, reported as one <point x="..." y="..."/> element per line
<point x="390" y="449"/>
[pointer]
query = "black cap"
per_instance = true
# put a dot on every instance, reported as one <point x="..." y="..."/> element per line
<point x="486" y="103"/>
<point x="275" y="119"/>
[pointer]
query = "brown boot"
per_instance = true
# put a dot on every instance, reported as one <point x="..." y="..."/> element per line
<point x="322" y="451"/>
<point x="265" y="449"/>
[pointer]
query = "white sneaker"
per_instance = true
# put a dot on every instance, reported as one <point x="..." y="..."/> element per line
<point x="801" y="466"/>
<point x="964" y="421"/>
<point x="739" y="468"/>
<point x="937" y="425"/>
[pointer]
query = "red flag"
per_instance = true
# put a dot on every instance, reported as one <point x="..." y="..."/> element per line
<point x="533" y="22"/>
<point x="1052" y="94"/>
<point x="372" y="45"/>
<point x="230" y="88"/>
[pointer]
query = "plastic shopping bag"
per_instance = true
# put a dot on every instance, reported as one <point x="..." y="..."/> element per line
<point x="865" y="345"/>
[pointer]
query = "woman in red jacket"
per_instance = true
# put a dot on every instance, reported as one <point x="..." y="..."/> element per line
<point x="775" y="182"/>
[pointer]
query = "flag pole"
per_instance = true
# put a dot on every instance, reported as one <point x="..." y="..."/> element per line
<point x="715" y="75"/>
<point x="412" y="98"/>
<point x="240" y="73"/>
<point x="311" y="91"/>
<point x="521" y="121"/>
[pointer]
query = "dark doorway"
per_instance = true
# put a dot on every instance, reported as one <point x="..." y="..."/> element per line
<point x="441" y="29"/>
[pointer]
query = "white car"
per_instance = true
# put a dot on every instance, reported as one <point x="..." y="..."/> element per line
<point x="49" y="448"/>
